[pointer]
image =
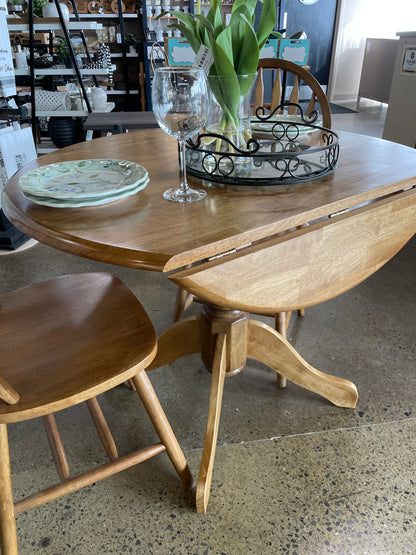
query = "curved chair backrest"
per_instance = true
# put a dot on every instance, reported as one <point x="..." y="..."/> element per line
<point x="278" y="91"/>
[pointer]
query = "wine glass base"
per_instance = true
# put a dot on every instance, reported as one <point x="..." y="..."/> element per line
<point x="189" y="195"/>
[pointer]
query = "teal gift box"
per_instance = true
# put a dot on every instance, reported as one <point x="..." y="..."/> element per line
<point x="179" y="52"/>
<point x="294" y="50"/>
<point x="270" y="49"/>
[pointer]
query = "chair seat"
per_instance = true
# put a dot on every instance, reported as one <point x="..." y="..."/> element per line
<point x="49" y="332"/>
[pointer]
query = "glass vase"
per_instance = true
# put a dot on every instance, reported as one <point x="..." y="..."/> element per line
<point x="229" y="116"/>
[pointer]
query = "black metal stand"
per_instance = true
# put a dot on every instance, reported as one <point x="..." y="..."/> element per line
<point x="11" y="238"/>
<point x="72" y="56"/>
<point x="123" y="46"/>
<point x="32" y="70"/>
<point x="84" y="41"/>
<point x="71" y="53"/>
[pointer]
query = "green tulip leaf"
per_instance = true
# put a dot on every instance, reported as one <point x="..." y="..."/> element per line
<point x="229" y="93"/>
<point x="186" y="19"/>
<point x="249" y="5"/>
<point x="225" y="41"/>
<point x="267" y="22"/>
<point x="189" y="35"/>
<point x="218" y="22"/>
<point x="237" y="34"/>
<point x="242" y="9"/>
<point x="204" y="29"/>
<point x="249" y="53"/>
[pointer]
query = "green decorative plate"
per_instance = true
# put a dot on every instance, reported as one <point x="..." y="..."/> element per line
<point x="83" y="179"/>
<point x="77" y="203"/>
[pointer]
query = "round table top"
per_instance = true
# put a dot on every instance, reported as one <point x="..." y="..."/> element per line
<point x="146" y="231"/>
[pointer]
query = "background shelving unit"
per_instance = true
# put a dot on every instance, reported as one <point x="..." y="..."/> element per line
<point x="156" y="30"/>
<point x="49" y="26"/>
<point x="126" y="65"/>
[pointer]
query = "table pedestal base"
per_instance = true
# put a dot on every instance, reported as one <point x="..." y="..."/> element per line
<point x="225" y="338"/>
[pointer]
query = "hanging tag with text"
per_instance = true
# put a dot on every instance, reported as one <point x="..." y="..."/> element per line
<point x="204" y="58"/>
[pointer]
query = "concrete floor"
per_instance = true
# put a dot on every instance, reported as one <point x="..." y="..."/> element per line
<point x="293" y="474"/>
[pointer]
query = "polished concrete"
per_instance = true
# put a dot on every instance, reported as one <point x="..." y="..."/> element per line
<point x="293" y="473"/>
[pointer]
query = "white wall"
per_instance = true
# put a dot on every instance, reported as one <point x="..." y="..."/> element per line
<point x="356" y="21"/>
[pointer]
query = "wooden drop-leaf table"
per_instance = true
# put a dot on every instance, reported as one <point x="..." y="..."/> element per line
<point x="241" y="250"/>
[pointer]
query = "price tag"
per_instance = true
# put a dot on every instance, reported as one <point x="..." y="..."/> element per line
<point x="204" y="58"/>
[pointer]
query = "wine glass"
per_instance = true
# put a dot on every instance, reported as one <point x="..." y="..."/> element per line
<point x="179" y="98"/>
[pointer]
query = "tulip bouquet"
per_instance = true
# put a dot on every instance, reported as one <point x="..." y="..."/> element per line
<point x="235" y="48"/>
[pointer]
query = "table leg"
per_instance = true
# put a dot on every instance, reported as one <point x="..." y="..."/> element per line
<point x="225" y="338"/>
<point x="180" y="339"/>
<point x="214" y="412"/>
<point x="270" y="348"/>
<point x="281" y="323"/>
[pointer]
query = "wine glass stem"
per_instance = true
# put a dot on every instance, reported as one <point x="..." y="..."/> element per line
<point x="184" y="182"/>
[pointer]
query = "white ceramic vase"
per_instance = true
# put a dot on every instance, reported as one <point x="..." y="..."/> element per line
<point x="99" y="98"/>
<point x="49" y="10"/>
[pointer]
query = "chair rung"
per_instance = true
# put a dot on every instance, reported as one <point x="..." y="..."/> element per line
<point x="78" y="482"/>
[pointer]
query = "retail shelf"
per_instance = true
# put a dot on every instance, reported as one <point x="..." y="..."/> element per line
<point x="64" y="71"/>
<point x="45" y="147"/>
<point x="105" y="15"/>
<point x="120" y="55"/>
<point x="73" y="113"/>
<point x="113" y="92"/>
<point x="23" y="27"/>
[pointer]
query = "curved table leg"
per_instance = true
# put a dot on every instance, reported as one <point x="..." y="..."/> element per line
<point x="270" y="348"/>
<point x="180" y="339"/>
<point x="214" y="411"/>
<point x="219" y="330"/>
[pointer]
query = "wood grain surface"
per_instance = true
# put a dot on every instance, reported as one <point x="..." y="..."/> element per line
<point x="145" y="231"/>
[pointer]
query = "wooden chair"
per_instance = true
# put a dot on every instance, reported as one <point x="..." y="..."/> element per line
<point x="283" y="69"/>
<point x="318" y="101"/>
<point x="63" y="342"/>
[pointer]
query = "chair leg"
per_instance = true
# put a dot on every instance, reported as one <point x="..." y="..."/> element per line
<point x="8" y="535"/>
<point x="131" y="385"/>
<point x="57" y="448"/>
<point x="102" y="428"/>
<point x="160" y="422"/>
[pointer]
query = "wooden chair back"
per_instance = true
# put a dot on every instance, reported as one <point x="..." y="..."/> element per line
<point x="282" y="68"/>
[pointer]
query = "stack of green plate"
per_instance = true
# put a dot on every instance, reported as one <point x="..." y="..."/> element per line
<point x="83" y="182"/>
